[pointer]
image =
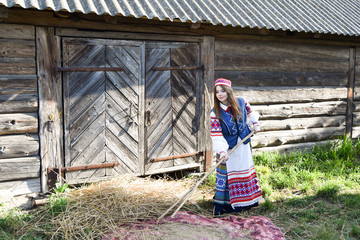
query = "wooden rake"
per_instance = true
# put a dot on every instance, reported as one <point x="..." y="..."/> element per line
<point x="188" y="194"/>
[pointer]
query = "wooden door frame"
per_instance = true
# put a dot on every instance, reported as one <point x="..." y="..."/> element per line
<point x="50" y="92"/>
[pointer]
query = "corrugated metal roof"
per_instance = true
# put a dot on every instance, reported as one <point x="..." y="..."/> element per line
<point x="324" y="16"/>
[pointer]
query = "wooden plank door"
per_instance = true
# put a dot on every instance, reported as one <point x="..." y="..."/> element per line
<point x="171" y="119"/>
<point x="101" y="108"/>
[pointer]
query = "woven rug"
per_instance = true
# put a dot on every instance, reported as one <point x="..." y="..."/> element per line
<point x="189" y="226"/>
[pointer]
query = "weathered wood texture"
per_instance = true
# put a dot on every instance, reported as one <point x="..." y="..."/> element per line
<point x="19" y="142"/>
<point x="278" y="138"/>
<point x="18" y="88"/>
<point x="172" y="120"/>
<point x="17" y="146"/>
<point x="300" y="90"/>
<point x="50" y="101"/>
<point x="18" y="84"/>
<point x="207" y="59"/>
<point x="18" y="123"/>
<point x="101" y="108"/>
<point x="10" y="189"/>
<point x="350" y="92"/>
<point x="15" y="31"/>
<point x="290" y="147"/>
<point x="357" y="66"/>
<point x="279" y="95"/>
<point x="19" y="168"/>
<point x="17" y="55"/>
<point x="356" y="103"/>
<point x="258" y="56"/>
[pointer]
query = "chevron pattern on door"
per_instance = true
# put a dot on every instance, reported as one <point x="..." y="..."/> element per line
<point x="101" y="107"/>
<point x="185" y="118"/>
<point x="170" y="104"/>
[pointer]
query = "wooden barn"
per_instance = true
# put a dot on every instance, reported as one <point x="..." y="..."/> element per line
<point x="90" y="90"/>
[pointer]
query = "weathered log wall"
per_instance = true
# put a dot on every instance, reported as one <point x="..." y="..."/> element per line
<point x="19" y="141"/>
<point x="300" y="85"/>
<point x="356" y="106"/>
<point x="299" y="89"/>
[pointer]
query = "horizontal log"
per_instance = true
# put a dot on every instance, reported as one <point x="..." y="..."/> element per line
<point x="260" y="79"/>
<point x="289" y="147"/>
<point x="253" y="63"/>
<point x="250" y="55"/>
<point x="17" y="66"/>
<point x="357" y="88"/>
<point x="10" y="84"/>
<point x="15" y="103"/>
<point x="16" y="31"/>
<point x="302" y="123"/>
<point x="18" y="123"/>
<point x="356" y="132"/>
<point x="14" y="48"/>
<point x="19" y="168"/>
<point x="15" y="146"/>
<point x="285" y="49"/>
<point x="7" y="77"/>
<point x="20" y="187"/>
<point x="277" y="138"/>
<point x="356" y="119"/>
<point x="267" y="95"/>
<point x="281" y="111"/>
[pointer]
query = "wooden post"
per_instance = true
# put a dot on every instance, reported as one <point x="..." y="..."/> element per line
<point x="50" y="102"/>
<point x="350" y="93"/>
<point x="207" y="59"/>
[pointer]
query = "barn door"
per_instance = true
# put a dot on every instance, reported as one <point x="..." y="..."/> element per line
<point x="101" y="106"/>
<point x="171" y="119"/>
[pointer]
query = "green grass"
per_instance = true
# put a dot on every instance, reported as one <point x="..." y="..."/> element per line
<point x="314" y="194"/>
<point x="308" y="195"/>
<point x="14" y="223"/>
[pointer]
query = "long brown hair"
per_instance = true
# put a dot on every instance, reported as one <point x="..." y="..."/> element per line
<point x="232" y="101"/>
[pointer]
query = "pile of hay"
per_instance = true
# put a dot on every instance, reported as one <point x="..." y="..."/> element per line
<point x="102" y="207"/>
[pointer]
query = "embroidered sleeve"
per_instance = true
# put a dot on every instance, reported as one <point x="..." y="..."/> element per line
<point x="219" y="142"/>
<point x="253" y="116"/>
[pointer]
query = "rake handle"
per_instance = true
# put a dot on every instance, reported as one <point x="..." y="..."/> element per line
<point x="188" y="194"/>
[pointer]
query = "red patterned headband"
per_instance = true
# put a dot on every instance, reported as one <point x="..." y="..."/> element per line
<point x="223" y="81"/>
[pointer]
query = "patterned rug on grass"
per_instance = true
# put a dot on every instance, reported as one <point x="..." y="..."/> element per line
<point x="189" y="226"/>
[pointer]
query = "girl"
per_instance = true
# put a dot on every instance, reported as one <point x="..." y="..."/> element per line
<point x="237" y="186"/>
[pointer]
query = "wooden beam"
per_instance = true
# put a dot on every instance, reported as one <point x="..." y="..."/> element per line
<point x="350" y="93"/>
<point x="208" y="61"/>
<point x="50" y="101"/>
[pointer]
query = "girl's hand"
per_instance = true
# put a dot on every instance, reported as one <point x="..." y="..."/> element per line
<point x="256" y="128"/>
<point x="224" y="155"/>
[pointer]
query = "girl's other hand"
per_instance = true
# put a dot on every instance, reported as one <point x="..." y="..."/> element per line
<point x="256" y="128"/>
<point x="224" y="155"/>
